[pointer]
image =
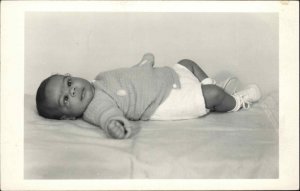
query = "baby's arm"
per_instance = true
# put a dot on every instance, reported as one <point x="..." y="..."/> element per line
<point x="104" y="113"/>
<point x="194" y="68"/>
<point x="118" y="127"/>
<point x="148" y="58"/>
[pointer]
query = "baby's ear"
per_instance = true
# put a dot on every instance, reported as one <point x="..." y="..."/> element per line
<point x="67" y="118"/>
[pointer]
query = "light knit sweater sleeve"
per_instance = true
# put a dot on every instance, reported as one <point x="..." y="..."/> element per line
<point x="102" y="110"/>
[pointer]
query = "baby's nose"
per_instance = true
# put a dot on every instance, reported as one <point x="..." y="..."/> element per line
<point x="72" y="91"/>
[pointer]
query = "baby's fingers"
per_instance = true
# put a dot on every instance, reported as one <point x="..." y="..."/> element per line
<point x="128" y="132"/>
<point x="116" y="130"/>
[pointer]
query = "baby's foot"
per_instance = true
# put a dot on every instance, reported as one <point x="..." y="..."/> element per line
<point x="246" y="97"/>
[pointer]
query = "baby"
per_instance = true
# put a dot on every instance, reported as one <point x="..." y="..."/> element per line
<point x="143" y="92"/>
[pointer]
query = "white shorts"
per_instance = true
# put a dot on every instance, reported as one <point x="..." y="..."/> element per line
<point x="184" y="103"/>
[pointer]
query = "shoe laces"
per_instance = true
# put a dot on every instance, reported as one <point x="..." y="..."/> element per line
<point x="243" y="100"/>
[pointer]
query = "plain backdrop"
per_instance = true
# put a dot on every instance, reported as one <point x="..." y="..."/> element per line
<point x="83" y="44"/>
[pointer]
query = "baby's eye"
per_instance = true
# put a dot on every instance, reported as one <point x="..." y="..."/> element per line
<point x="69" y="82"/>
<point x="66" y="99"/>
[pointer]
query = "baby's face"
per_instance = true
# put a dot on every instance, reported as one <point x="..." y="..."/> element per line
<point x="69" y="95"/>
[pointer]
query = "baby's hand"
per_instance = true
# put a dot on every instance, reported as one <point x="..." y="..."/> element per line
<point x="149" y="57"/>
<point x="117" y="130"/>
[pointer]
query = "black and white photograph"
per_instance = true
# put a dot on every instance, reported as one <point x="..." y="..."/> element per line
<point x="152" y="95"/>
<point x="221" y="123"/>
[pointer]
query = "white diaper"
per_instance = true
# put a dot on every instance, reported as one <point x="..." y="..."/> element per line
<point x="184" y="103"/>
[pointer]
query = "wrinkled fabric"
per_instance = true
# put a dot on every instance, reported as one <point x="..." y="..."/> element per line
<point x="242" y="144"/>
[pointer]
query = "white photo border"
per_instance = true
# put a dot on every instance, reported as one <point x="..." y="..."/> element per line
<point x="12" y="94"/>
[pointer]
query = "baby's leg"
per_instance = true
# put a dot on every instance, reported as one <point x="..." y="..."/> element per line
<point x="216" y="99"/>
<point x="194" y="68"/>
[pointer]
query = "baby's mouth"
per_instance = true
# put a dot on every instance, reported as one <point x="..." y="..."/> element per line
<point x="82" y="94"/>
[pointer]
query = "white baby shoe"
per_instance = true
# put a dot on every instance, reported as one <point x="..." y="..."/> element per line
<point x="246" y="97"/>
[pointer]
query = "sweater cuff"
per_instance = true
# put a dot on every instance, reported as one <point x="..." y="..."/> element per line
<point x="109" y="115"/>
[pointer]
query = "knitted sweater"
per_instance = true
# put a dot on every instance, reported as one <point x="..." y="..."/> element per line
<point x="129" y="93"/>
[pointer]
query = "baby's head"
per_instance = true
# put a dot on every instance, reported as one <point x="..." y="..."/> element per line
<point x="63" y="97"/>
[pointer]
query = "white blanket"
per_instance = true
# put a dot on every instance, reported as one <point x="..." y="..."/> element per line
<point x="243" y="144"/>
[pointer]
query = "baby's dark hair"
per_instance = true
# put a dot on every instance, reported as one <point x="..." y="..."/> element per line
<point x="42" y="106"/>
